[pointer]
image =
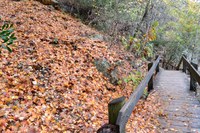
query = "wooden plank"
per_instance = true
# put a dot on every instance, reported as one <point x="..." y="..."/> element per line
<point x="181" y="105"/>
<point x="127" y="109"/>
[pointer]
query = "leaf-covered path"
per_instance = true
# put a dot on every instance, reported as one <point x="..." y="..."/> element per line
<point x="181" y="109"/>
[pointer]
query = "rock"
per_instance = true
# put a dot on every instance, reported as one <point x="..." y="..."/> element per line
<point x="97" y="37"/>
<point x="104" y="66"/>
<point x="114" y="77"/>
<point x="108" y="128"/>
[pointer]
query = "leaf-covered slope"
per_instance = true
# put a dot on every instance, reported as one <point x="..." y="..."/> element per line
<point x="49" y="82"/>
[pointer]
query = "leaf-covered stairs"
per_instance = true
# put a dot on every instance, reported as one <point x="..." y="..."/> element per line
<point x="180" y="109"/>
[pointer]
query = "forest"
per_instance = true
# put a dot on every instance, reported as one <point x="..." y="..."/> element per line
<point x="171" y="26"/>
<point x="64" y="61"/>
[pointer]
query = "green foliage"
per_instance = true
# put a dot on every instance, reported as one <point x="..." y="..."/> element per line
<point x="112" y="16"/>
<point x="118" y="17"/>
<point x="175" y="22"/>
<point x="181" y="30"/>
<point x="145" y="93"/>
<point x="125" y="20"/>
<point x="138" y="47"/>
<point x="134" y="79"/>
<point x="7" y="37"/>
<point x="126" y="42"/>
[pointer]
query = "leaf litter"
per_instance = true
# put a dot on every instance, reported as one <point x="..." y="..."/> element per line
<point x="49" y="83"/>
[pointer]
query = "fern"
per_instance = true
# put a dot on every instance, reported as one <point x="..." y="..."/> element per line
<point x="7" y="37"/>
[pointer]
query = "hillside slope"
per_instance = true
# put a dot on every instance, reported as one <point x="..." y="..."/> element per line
<point x="49" y="83"/>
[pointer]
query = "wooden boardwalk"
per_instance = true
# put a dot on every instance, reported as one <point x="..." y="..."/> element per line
<point x="181" y="109"/>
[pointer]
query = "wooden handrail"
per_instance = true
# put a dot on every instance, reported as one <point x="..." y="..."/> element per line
<point x="122" y="110"/>
<point x="126" y="110"/>
<point x="193" y="71"/>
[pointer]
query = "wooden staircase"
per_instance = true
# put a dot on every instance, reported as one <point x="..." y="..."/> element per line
<point x="176" y="90"/>
<point x="181" y="108"/>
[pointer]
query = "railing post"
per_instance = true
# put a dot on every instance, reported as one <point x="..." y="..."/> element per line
<point x="193" y="85"/>
<point x="184" y="64"/>
<point x="150" y="84"/>
<point x="157" y="68"/>
<point x="163" y="63"/>
<point x="113" y="110"/>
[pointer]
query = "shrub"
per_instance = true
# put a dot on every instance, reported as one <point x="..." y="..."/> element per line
<point x="7" y="37"/>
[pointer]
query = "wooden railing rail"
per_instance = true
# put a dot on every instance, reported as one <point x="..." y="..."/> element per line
<point x="122" y="109"/>
<point x="193" y="71"/>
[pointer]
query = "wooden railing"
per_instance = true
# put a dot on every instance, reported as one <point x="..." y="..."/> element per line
<point x="120" y="110"/>
<point x="193" y="71"/>
<point x="168" y="65"/>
